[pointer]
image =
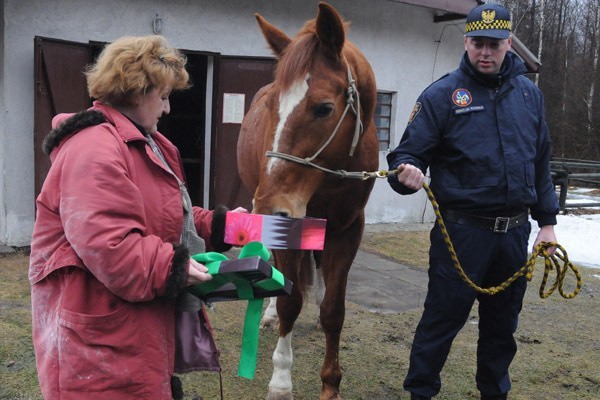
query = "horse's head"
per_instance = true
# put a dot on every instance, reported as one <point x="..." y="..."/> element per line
<point x="317" y="113"/>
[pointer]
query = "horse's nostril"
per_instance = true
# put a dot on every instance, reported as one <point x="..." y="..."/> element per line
<point x="280" y="214"/>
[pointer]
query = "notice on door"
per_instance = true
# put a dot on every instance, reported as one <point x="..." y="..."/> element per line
<point x="233" y="108"/>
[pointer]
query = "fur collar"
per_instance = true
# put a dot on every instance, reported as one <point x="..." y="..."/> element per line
<point x="71" y="125"/>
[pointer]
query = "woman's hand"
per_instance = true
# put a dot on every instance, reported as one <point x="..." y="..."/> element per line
<point x="240" y="210"/>
<point x="197" y="273"/>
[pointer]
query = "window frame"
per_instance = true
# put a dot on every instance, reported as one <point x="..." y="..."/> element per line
<point x="384" y="142"/>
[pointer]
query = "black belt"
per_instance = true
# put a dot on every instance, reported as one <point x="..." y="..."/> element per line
<point x="497" y="224"/>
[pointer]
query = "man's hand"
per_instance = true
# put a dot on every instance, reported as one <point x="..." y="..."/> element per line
<point x="410" y="176"/>
<point x="546" y="234"/>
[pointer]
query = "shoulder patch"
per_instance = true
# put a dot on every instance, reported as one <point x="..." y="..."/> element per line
<point x="462" y="97"/>
<point x="415" y="111"/>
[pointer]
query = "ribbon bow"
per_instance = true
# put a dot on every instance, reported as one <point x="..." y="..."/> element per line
<point x="245" y="291"/>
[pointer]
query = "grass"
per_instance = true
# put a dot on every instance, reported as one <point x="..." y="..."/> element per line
<point x="406" y="247"/>
<point x="17" y="368"/>
<point x="558" y="358"/>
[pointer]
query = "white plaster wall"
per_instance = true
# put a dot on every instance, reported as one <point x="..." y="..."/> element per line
<point x="401" y="42"/>
<point x="410" y="53"/>
<point x="3" y="158"/>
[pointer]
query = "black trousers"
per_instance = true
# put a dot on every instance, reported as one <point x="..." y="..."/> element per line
<point x="488" y="259"/>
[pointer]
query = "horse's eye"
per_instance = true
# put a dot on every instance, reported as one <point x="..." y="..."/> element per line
<point x="323" y="110"/>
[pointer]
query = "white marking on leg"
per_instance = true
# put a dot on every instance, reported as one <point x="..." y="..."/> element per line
<point x="288" y="100"/>
<point x="319" y="285"/>
<point x="270" y="315"/>
<point x="281" y="381"/>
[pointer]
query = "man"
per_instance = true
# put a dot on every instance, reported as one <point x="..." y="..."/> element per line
<point x="482" y="132"/>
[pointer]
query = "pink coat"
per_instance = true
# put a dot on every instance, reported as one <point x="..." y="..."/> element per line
<point x="105" y="266"/>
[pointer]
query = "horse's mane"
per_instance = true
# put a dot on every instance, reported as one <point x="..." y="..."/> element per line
<point x="295" y="61"/>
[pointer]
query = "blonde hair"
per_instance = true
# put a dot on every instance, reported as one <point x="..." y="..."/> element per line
<point x="135" y="65"/>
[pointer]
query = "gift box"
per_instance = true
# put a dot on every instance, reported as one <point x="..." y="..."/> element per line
<point x="249" y="277"/>
<point x="275" y="232"/>
<point x="242" y="279"/>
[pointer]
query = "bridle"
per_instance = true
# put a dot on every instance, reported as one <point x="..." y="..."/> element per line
<point x="352" y="102"/>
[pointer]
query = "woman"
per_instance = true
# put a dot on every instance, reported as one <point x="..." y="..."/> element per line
<point x="115" y="228"/>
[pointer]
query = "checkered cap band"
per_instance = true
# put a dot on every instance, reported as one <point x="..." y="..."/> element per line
<point x="481" y="26"/>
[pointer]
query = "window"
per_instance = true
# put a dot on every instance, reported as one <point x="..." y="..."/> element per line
<point x="383" y="119"/>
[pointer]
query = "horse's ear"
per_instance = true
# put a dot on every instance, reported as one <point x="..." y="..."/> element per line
<point x="330" y="30"/>
<point x="276" y="38"/>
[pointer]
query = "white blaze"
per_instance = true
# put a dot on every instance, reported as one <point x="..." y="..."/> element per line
<point x="288" y="100"/>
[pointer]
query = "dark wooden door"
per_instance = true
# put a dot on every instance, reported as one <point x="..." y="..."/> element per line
<point x="184" y="125"/>
<point x="60" y="86"/>
<point x="238" y="80"/>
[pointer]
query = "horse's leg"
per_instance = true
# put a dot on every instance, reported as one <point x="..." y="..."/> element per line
<point x="280" y="386"/>
<point x="319" y="287"/>
<point x="288" y="309"/>
<point x="336" y="262"/>
<point x="270" y="314"/>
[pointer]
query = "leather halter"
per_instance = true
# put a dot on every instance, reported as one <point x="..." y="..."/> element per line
<point x="352" y="102"/>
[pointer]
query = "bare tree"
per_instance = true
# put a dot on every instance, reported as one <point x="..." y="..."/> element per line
<point x="541" y="37"/>
<point x="594" y="73"/>
<point x="565" y="35"/>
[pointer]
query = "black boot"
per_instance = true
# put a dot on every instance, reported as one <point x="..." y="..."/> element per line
<point x="498" y="397"/>
<point x="417" y="397"/>
<point x="176" y="388"/>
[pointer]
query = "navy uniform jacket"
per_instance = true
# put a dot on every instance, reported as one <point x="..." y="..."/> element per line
<point x="485" y="140"/>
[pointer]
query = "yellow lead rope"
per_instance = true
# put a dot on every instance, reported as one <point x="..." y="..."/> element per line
<point x="541" y="250"/>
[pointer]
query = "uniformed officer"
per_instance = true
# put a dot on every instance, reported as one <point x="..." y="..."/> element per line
<point x="482" y="133"/>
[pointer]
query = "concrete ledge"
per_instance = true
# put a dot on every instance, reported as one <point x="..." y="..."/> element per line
<point x="6" y="249"/>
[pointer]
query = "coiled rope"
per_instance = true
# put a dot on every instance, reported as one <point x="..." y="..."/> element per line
<point x="541" y="250"/>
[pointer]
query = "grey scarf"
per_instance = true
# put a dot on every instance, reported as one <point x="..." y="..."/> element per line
<point x="189" y="235"/>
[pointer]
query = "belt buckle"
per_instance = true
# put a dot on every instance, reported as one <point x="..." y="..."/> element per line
<point x="501" y="224"/>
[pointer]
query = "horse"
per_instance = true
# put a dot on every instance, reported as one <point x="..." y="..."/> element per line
<point x="303" y="134"/>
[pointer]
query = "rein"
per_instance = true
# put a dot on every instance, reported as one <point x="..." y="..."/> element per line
<point x="352" y="102"/>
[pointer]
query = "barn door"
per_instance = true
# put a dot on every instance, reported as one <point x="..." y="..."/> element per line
<point x="184" y="125"/>
<point x="238" y="81"/>
<point x="60" y="86"/>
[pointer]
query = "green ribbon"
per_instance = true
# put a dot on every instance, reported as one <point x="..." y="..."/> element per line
<point x="249" y="352"/>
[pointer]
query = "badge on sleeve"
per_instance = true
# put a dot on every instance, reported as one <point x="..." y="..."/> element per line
<point x="462" y="97"/>
<point x="414" y="112"/>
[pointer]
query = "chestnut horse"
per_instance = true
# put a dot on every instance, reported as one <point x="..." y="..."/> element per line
<point x="298" y="139"/>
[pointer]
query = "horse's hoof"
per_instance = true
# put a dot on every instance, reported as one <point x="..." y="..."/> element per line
<point x="275" y="394"/>
<point x="330" y="393"/>
<point x="325" y="396"/>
